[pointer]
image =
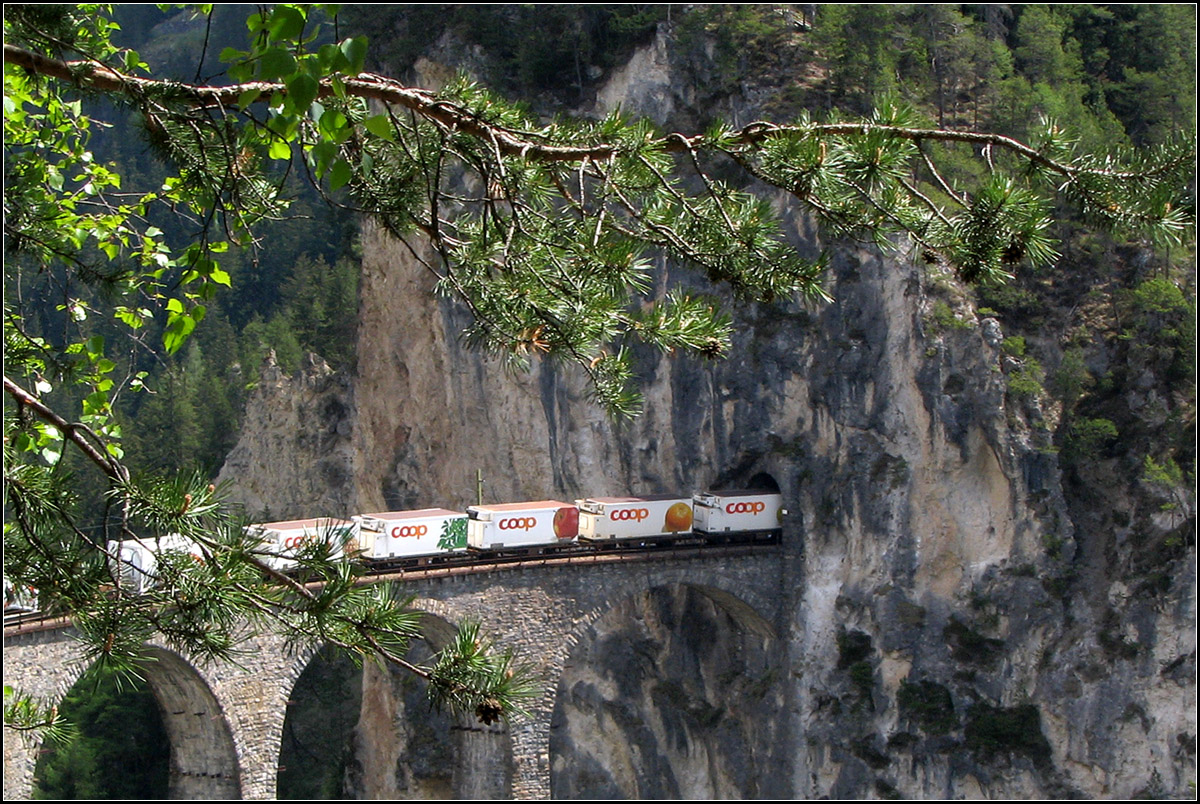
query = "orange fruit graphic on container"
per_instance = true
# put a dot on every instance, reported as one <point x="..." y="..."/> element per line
<point x="679" y="518"/>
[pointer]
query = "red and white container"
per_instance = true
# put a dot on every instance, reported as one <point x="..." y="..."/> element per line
<point x="738" y="511"/>
<point x="404" y="534"/>
<point x="282" y="540"/>
<point x="544" y="522"/>
<point x="603" y="518"/>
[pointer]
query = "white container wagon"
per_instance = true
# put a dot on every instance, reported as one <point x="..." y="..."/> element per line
<point x="722" y="511"/>
<point x="526" y="524"/>
<point x="137" y="559"/>
<point x="603" y="518"/>
<point x="281" y="540"/>
<point x="408" y="534"/>
<point x="19" y="598"/>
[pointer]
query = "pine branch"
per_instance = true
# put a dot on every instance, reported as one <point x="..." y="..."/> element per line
<point x="510" y="142"/>
<point x="76" y="433"/>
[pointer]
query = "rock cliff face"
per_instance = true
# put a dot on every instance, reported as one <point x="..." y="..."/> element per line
<point x="293" y="458"/>
<point x="669" y="697"/>
<point x="951" y="634"/>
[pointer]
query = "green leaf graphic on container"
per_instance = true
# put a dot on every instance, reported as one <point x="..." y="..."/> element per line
<point x="454" y="534"/>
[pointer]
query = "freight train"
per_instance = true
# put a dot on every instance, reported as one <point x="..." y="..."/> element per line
<point x="487" y="533"/>
<point x="19" y="598"/>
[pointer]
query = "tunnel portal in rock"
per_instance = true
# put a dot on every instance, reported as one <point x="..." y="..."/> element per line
<point x="763" y="481"/>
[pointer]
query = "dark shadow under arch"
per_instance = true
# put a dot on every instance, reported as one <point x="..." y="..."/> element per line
<point x="201" y="759"/>
<point x="745" y="615"/>
<point x="119" y="748"/>
<point x="322" y="710"/>
<point x="435" y="754"/>
<point x="382" y="740"/>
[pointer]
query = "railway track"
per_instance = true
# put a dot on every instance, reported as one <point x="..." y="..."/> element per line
<point x="469" y="563"/>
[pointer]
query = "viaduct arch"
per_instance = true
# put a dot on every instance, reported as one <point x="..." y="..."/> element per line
<point x="231" y="717"/>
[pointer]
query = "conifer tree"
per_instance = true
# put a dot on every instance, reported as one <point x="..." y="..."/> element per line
<point x="545" y="231"/>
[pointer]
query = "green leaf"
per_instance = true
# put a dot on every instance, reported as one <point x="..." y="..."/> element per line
<point x="339" y="87"/>
<point x="95" y="403"/>
<point x="241" y="71"/>
<point x="256" y="22"/>
<point x="275" y="63"/>
<point x="221" y="277"/>
<point x="355" y="51"/>
<point x="333" y="59"/>
<point x="52" y="452"/>
<point x="285" y="126"/>
<point x="133" y="61"/>
<point x="322" y="154"/>
<point x="248" y="97"/>
<point x="287" y="22"/>
<point x="179" y="327"/>
<point x="381" y="126"/>
<point x="340" y="175"/>
<point x="334" y="125"/>
<point x="302" y="90"/>
<point x="280" y="149"/>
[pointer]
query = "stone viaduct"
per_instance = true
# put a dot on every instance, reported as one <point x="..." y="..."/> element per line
<point x="226" y="722"/>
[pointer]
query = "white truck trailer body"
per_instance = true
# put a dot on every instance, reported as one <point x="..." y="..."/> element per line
<point x="721" y="511"/>
<point x="281" y="540"/>
<point x="634" y="517"/>
<point x="522" y="524"/>
<point x="402" y="534"/>
<point x="137" y="561"/>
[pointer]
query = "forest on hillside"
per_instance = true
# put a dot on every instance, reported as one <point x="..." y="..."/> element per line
<point x="1114" y="75"/>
